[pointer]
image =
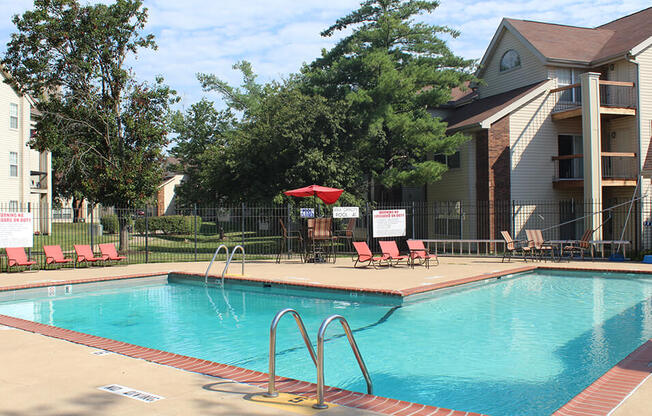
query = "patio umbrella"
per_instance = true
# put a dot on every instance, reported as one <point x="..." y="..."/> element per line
<point x="326" y="194"/>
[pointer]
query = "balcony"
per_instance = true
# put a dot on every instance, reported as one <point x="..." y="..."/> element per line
<point x="617" y="99"/>
<point x="39" y="182"/>
<point x="618" y="169"/>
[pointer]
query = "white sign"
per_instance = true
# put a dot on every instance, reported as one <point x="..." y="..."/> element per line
<point x="389" y="223"/>
<point x="131" y="393"/>
<point x="16" y="229"/>
<point x="307" y="213"/>
<point x="346" y="212"/>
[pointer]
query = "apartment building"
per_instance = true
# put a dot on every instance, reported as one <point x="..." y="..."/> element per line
<point x="25" y="174"/>
<point x="563" y="114"/>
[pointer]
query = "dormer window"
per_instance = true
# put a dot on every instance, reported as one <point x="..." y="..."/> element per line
<point x="510" y="60"/>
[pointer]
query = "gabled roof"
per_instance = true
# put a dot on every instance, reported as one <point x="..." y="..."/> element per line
<point x="8" y="76"/>
<point x="578" y="45"/>
<point x="481" y="113"/>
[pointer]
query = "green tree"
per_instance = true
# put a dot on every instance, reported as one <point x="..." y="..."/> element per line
<point x="200" y="128"/>
<point x="71" y="57"/>
<point x="390" y="70"/>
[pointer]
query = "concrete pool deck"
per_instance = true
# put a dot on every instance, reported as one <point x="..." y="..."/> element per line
<point x="44" y="375"/>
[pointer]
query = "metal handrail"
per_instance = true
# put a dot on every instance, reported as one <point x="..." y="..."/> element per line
<point x="271" y="386"/>
<point x="320" y="358"/>
<point x="228" y="262"/>
<point x="226" y="249"/>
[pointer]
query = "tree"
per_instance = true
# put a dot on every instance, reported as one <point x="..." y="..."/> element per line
<point x="390" y="70"/>
<point x="112" y="128"/>
<point x="199" y="128"/>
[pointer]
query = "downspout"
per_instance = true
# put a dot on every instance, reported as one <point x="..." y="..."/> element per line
<point x="639" y="190"/>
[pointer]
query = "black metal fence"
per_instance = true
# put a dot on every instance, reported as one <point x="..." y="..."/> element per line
<point x="194" y="233"/>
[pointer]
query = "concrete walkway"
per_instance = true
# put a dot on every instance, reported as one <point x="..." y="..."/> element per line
<point x="47" y="376"/>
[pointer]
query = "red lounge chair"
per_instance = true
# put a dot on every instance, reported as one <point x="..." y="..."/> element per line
<point x="53" y="254"/>
<point x="108" y="250"/>
<point x="364" y="255"/>
<point x="391" y="253"/>
<point x="16" y="257"/>
<point x="85" y="254"/>
<point x="418" y="252"/>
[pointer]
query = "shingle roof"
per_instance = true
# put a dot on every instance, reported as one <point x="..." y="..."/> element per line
<point x="480" y="110"/>
<point x="586" y="45"/>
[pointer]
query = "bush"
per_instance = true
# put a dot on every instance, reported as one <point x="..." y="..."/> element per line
<point x="169" y="224"/>
<point x="109" y="224"/>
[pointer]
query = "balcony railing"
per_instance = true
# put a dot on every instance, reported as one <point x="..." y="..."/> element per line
<point x="615" y="165"/>
<point x="613" y="94"/>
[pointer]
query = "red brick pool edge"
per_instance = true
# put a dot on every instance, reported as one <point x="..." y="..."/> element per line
<point x="600" y="398"/>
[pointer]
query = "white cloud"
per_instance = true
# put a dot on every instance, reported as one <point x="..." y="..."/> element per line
<point x="277" y="36"/>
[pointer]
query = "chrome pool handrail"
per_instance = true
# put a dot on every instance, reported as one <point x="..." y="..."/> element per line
<point x="271" y="386"/>
<point x="320" y="358"/>
<point x="226" y="249"/>
<point x="228" y="262"/>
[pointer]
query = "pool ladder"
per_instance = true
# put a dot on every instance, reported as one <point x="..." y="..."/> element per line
<point x="228" y="261"/>
<point x="317" y="359"/>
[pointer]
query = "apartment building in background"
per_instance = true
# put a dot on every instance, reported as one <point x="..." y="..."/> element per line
<point x="564" y="115"/>
<point x="25" y="174"/>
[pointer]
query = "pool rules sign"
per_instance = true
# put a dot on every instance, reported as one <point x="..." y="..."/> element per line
<point x="389" y="223"/>
<point x="16" y="229"/>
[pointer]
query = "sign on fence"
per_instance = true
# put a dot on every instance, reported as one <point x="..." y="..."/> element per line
<point x="346" y="212"/>
<point x="307" y="213"/>
<point x="389" y="223"/>
<point x="16" y="229"/>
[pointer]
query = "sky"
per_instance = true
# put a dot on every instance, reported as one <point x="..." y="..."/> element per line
<point x="277" y="36"/>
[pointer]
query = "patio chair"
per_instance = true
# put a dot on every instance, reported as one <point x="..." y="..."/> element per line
<point x="85" y="255"/>
<point x="580" y="246"/>
<point x="289" y="237"/>
<point x="16" y="257"/>
<point x="364" y="255"/>
<point x="54" y="255"/>
<point x="347" y="234"/>
<point x="513" y="246"/>
<point x="391" y="253"/>
<point x="418" y="252"/>
<point x="542" y="246"/>
<point x="321" y="238"/>
<point x="109" y="252"/>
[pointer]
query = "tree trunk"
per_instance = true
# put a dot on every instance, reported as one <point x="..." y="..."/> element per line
<point x="123" y="221"/>
<point x="77" y="205"/>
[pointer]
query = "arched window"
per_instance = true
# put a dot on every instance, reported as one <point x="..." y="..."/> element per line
<point x="510" y="60"/>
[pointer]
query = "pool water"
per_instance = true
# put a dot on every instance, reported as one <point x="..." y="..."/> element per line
<point x="519" y="345"/>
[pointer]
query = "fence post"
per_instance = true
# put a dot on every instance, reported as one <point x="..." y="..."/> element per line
<point x="368" y="225"/>
<point x="289" y="225"/>
<point x="243" y="224"/>
<point x="413" y="236"/>
<point x="146" y="235"/>
<point x="91" y="225"/>
<point x="195" y="212"/>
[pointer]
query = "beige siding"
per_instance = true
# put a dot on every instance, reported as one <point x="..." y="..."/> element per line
<point x="531" y="70"/>
<point x="645" y="117"/>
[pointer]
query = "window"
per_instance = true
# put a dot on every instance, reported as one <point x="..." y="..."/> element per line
<point x="13" y="116"/>
<point x="568" y="76"/>
<point x="452" y="161"/>
<point x="13" y="206"/>
<point x="510" y="60"/>
<point x="13" y="164"/>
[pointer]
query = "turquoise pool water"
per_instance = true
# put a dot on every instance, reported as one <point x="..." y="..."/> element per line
<point x="521" y="345"/>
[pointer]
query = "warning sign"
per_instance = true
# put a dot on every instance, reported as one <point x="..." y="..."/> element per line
<point x="389" y="223"/>
<point x="16" y="229"/>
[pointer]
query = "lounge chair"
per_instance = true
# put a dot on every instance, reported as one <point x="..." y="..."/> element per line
<point x="289" y="237"/>
<point x="16" y="257"/>
<point x="109" y="252"/>
<point x="418" y="252"/>
<point x="513" y="246"/>
<point x="85" y="254"/>
<point x="391" y="253"/>
<point x="365" y="255"/>
<point x="54" y="255"/>
<point x="580" y="246"/>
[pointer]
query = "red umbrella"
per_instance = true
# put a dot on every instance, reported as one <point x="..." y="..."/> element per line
<point x="328" y="195"/>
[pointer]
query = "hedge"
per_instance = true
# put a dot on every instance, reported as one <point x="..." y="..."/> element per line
<point x="168" y="224"/>
<point x="109" y="224"/>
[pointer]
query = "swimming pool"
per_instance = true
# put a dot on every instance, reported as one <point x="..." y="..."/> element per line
<point x="520" y="345"/>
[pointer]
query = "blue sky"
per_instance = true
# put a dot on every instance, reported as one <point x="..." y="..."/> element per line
<point x="277" y="36"/>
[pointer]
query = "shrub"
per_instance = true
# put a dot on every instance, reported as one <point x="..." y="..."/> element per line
<point x="169" y="224"/>
<point x="109" y="224"/>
